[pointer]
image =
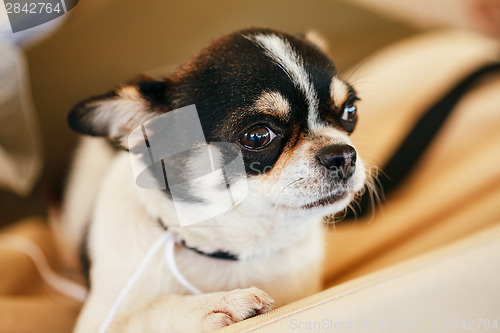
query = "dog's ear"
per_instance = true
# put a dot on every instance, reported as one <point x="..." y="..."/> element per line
<point x="114" y="115"/>
<point x="317" y="39"/>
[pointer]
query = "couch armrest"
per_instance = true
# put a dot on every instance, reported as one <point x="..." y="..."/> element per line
<point x="454" y="285"/>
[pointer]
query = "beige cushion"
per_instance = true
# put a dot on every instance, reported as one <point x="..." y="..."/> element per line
<point x="455" y="188"/>
<point x="26" y="303"/>
<point x="433" y="292"/>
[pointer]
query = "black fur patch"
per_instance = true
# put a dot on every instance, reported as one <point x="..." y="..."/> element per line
<point x="154" y="91"/>
<point x="224" y="81"/>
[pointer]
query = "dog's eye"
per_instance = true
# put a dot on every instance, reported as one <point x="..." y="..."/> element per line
<point x="257" y="137"/>
<point x="349" y="116"/>
<point x="349" y="112"/>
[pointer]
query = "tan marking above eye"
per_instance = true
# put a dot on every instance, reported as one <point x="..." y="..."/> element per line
<point x="339" y="92"/>
<point x="273" y="103"/>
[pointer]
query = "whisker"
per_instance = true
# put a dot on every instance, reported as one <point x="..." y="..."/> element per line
<point x="375" y="190"/>
<point x="284" y="188"/>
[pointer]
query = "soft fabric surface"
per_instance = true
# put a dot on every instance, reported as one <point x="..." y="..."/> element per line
<point x="453" y="288"/>
<point x="26" y="304"/>
<point x="455" y="188"/>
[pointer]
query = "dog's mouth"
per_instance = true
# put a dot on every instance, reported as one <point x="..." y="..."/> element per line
<point x="328" y="200"/>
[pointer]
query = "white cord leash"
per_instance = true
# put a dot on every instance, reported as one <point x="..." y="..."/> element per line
<point x="169" y="256"/>
<point x="54" y="280"/>
<point x="168" y="240"/>
<point x="79" y="292"/>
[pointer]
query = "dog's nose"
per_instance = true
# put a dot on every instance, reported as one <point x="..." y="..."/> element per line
<point x="340" y="159"/>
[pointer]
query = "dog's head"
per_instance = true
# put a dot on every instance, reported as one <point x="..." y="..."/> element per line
<point x="278" y="97"/>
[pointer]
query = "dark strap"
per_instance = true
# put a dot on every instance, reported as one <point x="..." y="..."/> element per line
<point x="220" y="254"/>
<point x="403" y="161"/>
<point x="225" y="255"/>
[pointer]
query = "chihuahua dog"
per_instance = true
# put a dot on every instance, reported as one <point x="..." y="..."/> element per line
<point x="279" y="99"/>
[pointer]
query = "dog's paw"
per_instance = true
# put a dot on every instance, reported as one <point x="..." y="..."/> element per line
<point x="237" y="305"/>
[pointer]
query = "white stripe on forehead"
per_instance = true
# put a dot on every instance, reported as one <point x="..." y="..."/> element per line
<point x="281" y="52"/>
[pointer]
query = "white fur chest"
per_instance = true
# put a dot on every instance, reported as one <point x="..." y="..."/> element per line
<point x="124" y="228"/>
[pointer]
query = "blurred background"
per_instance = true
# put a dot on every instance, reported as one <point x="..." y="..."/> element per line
<point x="101" y="43"/>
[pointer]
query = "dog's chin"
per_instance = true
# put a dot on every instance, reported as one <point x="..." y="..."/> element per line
<point x="327" y="205"/>
<point x="329" y="200"/>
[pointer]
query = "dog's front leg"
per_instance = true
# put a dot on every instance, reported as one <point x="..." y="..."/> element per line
<point x="184" y="313"/>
